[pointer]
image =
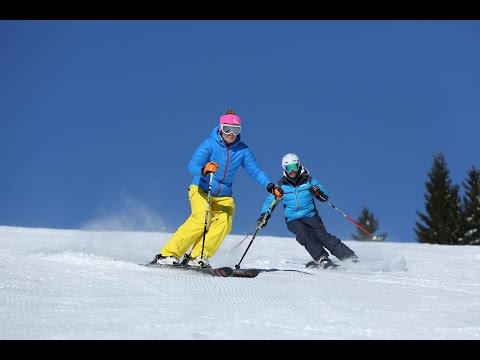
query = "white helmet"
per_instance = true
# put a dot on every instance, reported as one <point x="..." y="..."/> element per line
<point x="291" y="162"/>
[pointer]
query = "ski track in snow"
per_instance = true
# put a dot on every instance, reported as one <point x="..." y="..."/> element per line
<point x="88" y="275"/>
<point x="78" y="285"/>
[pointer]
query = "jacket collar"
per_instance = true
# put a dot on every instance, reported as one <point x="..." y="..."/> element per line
<point x="299" y="179"/>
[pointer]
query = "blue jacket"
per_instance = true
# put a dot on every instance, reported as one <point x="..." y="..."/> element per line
<point x="229" y="159"/>
<point x="298" y="201"/>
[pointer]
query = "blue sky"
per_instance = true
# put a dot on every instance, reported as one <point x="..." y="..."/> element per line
<point x="98" y="119"/>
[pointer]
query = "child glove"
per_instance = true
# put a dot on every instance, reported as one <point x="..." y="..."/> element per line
<point x="263" y="220"/>
<point x="319" y="194"/>
<point x="275" y="190"/>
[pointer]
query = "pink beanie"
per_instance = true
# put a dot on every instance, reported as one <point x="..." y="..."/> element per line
<point x="230" y="119"/>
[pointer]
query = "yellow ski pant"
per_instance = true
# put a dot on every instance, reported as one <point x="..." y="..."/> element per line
<point x="219" y="225"/>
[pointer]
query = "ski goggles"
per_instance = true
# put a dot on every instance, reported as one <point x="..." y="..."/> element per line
<point x="292" y="167"/>
<point x="231" y="129"/>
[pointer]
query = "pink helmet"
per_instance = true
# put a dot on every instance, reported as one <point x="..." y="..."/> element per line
<point x="230" y="119"/>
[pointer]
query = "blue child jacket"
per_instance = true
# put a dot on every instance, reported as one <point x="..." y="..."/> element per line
<point x="298" y="201"/>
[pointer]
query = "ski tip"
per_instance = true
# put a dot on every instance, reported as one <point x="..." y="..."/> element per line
<point x="247" y="273"/>
<point x="222" y="271"/>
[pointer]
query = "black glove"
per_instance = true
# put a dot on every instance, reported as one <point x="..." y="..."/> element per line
<point x="275" y="190"/>
<point x="319" y="194"/>
<point x="263" y="220"/>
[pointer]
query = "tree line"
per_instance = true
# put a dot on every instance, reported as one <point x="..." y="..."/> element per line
<point x="449" y="218"/>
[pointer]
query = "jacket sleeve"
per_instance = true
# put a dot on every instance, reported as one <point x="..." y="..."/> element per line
<point x="267" y="203"/>
<point x="253" y="169"/>
<point x="200" y="157"/>
<point x="315" y="182"/>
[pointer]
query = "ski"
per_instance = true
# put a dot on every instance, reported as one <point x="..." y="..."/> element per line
<point x="314" y="265"/>
<point x="285" y="270"/>
<point x="216" y="272"/>
<point x="246" y="273"/>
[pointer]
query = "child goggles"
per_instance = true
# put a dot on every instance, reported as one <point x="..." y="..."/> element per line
<point x="231" y="129"/>
<point x="292" y="167"/>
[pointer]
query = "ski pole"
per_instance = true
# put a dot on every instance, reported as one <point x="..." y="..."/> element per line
<point x="240" y="243"/>
<point x="207" y="213"/>
<point x="259" y="226"/>
<point x="374" y="238"/>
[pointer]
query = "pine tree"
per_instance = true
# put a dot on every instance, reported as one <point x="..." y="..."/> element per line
<point x="471" y="208"/>
<point x="443" y="222"/>
<point x="368" y="221"/>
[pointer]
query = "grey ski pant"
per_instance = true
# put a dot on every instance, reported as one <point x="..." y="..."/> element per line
<point x="311" y="233"/>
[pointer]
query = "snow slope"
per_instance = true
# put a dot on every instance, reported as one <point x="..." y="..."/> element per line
<point x="72" y="284"/>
